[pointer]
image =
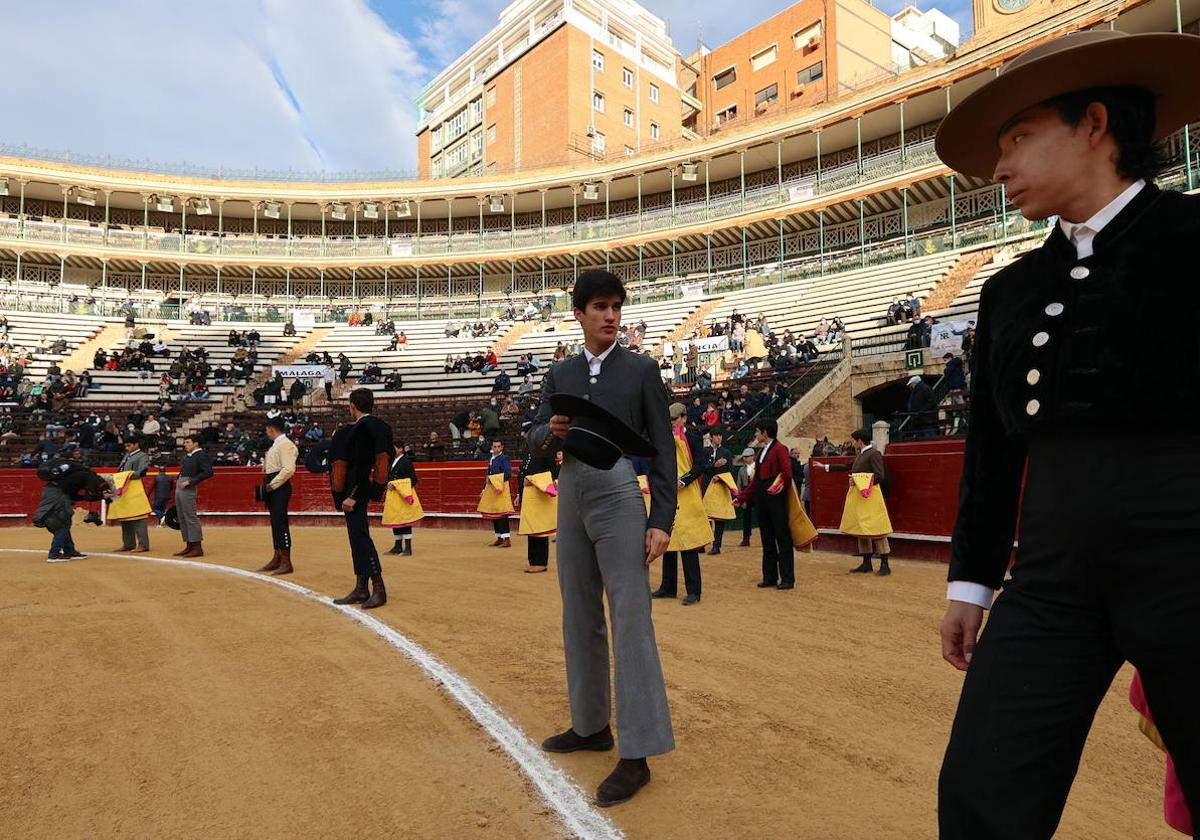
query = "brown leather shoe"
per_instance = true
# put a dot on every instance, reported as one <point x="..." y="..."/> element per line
<point x="141" y="549"/>
<point x="506" y="542"/>
<point x="193" y="550"/>
<point x="627" y="778"/>
<point x="497" y="542"/>
<point x="272" y="565"/>
<point x="122" y="550"/>
<point x="183" y="551"/>
<point x="285" y="562"/>
<point x="533" y="570"/>
<point x="572" y="741"/>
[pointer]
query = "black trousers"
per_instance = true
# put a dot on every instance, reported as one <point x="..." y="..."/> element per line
<point x="406" y="531"/>
<point x="539" y="551"/>
<point x="362" y="547"/>
<point x="277" y="504"/>
<point x="500" y="526"/>
<point x="778" y="554"/>
<point x="1107" y="571"/>
<point x="718" y="527"/>
<point x="691" y="572"/>
<point x="329" y="391"/>
<point x="747" y="521"/>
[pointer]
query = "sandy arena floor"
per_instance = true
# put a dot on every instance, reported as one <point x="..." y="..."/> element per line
<point x="142" y="700"/>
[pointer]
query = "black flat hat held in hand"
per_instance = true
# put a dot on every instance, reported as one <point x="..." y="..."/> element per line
<point x="597" y="437"/>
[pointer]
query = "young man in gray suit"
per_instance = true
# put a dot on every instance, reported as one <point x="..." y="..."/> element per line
<point x="606" y="543"/>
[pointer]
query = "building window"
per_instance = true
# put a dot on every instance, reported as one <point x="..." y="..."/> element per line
<point x="807" y="38"/>
<point x="627" y="77"/>
<point x="491" y="134"/>
<point x="725" y="78"/>
<point x="456" y="156"/>
<point x="764" y="58"/>
<point x="437" y="168"/>
<point x="477" y="111"/>
<point x="727" y="115"/>
<point x="598" y="143"/>
<point x="491" y="97"/>
<point x="598" y="61"/>
<point x="628" y="118"/>
<point x="598" y="101"/>
<point x="629" y="151"/>
<point x="456" y="126"/>
<point x="654" y="131"/>
<point x="767" y="95"/>
<point x="477" y="145"/>
<point x="436" y="139"/>
<point x="653" y="93"/>
<point x="810" y="73"/>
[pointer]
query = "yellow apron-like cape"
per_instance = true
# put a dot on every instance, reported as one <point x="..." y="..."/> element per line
<point x="539" y="506"/>
<point x="718" y="498"/>
<point x="804" y="533"/>
<point x="865" y="517"/>
<point x="130" y="502"/>
<point x="644" y="486"/>
<point x="401" y="505"/>
<point x="495" y="501"/>
<point x="691" y="528"/>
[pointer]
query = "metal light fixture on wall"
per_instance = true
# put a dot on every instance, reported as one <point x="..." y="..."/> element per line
<point x="338" y="211"/>
<point x="370" y="210"/>
<point x="271" y="209"/>
<point x="403" y="209"/>
<point x="3" y="186"/>
<point x="496" y="203"/>
<point x="164" y="203"/>
<point x="591" y="191"/>
<point x="690" y="172"/>
<point x="86" y="195"/>
<point x="202" y="207"/>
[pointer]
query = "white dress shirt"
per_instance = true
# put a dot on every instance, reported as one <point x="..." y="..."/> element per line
<point x="1081" y="234"/>
<point x="594" y="362"/>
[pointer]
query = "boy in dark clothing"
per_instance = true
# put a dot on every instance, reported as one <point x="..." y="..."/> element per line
<point x="162" y="493"/>
<point x="54" y="514"/>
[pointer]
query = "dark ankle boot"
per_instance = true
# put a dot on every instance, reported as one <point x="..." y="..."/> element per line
<point x="627" y="778"/>
<point x="273" y="565"/>
<point x="408" y="547"/>
<point x="285" y="562"/>
<point x="864" y="567"/>
<point x="360" y="593"/>
<point x="378" y="593"/>
<point x="397" y="548"/>
<point x="884" y="569"/>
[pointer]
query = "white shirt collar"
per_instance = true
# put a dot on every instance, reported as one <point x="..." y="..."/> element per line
<point x="1083" y="233"/>
<point x="594" y="362"/>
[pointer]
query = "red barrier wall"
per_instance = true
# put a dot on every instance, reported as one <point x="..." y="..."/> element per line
<point x="923" y="501"/>
<point x="449" y="493"/>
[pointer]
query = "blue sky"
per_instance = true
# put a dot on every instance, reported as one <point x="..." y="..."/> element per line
<point x="305" y="85"/>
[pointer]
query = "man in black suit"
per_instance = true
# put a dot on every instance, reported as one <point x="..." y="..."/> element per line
<point x="193" y="469"/>
<point x="366" y="450"/>
<point x="606" y="543"/>
<point x="717" y="460"/>
<point x="1106" y="569"/>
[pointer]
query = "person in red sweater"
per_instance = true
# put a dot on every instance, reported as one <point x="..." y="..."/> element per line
<point x="768" y="492"/>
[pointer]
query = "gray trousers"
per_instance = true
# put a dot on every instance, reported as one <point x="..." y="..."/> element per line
<point x="601" y="552"/>
<point x="189" y="520"/>
<point x="134" y="533"/>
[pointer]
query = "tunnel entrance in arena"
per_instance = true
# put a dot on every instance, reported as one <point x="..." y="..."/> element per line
<point x="885" y="402"/>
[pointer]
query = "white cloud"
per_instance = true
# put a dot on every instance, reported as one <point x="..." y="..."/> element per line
<point x="198" y="83"/>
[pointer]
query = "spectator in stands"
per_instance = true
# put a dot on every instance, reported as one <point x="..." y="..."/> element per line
<point x="741" y="371"/>
<point x="489" y="420"/>
<point x="501" y="383"/>
<point x="150" y="429"/>
<point x="100" y="360"/>
<point x="315" y="433"/>
<point x="130" y="323"/>
<point x="528" y="386"/>
<point x="922" y="407"/>
<point x="490" y="362"/>
<point x="327" y="380"/>
<point x="296" y="392"/>
<point x="394" y="381"/>
<point x="344" y="367"/>
<point x="401" y="342"/>
<point x="474" y="426"/>
<point x="968" y="345"/>
<point x="289" y="328"/>
<point x="458" y="424"/>
<point x="913" y="304"/>
<point x="435" y="450"/>
<point x="956" y="378"/>
<point x="710" y="417"/>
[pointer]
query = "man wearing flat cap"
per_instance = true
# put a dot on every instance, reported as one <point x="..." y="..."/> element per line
<point x="1108" y="568"/>
<point x="602" y="407"/>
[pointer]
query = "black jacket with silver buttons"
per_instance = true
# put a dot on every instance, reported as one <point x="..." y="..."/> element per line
<point x="1108" y="341"/>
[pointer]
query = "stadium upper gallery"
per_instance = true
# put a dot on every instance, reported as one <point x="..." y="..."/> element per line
<point x="793" y="250"/>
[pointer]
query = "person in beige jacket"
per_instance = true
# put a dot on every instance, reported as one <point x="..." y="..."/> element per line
<point x="278" y="468"/>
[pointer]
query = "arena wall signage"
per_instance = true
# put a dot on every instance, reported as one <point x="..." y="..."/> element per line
<point x="301" y="371"/>
<point x="716" y="344"/>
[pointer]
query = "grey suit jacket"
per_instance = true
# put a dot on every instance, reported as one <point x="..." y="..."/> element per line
<point x="136" y="462"/>
<point x="630" y="387"/>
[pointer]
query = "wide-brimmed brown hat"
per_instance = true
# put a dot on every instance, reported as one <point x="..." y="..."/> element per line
<point x="1166" y="64"/>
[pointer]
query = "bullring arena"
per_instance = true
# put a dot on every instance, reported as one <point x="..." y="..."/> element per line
<point x="792" y="251"/>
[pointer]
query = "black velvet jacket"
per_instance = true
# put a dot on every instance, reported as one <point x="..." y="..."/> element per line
<point x="1112" y="340"/>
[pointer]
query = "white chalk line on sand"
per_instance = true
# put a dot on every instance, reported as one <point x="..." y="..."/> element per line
<point x="566" y="799"/>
